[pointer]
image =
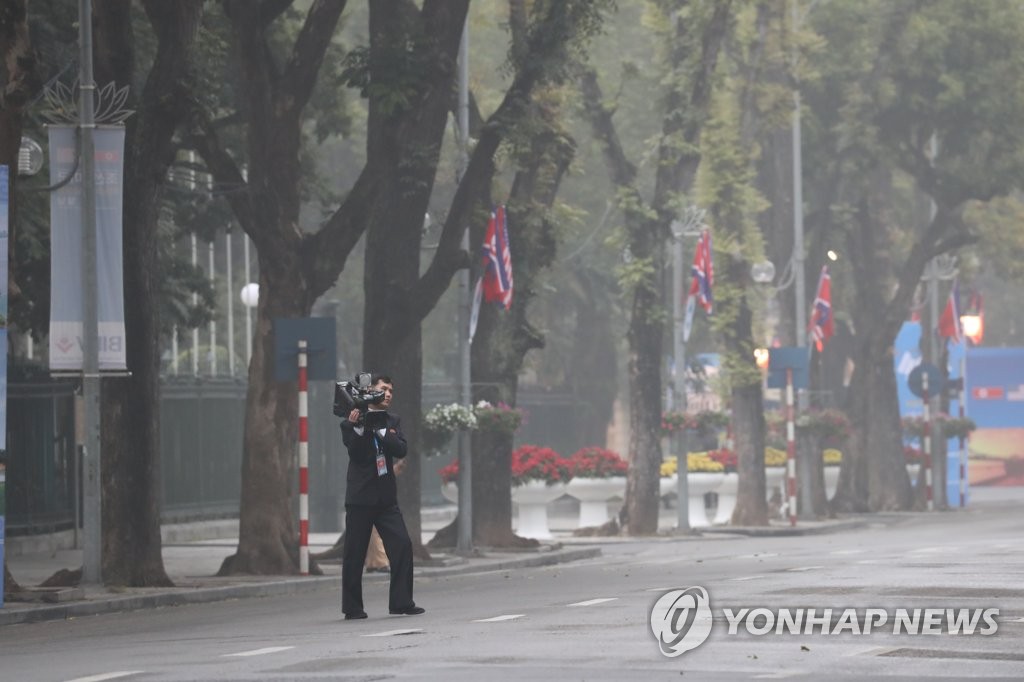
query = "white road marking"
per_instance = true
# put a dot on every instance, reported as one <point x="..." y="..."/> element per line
<point x="392" y="633"/>
<point x="800" y="569"/>
<point x="1017" y="620"/>
<point x="930" y="550"/>
<point x="498" y="619"/>
<point x="660" y="589"/>
<point x="746" y="577"/>
<point x="871" y="561"/>
<point x="757" y="555"/>
<point x="847" y="551"/>
<point x="107" y="676"/>
<point x="591" y="602"/>
<point x="261" y="652"/>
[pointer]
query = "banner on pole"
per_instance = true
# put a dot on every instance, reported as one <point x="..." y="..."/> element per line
<point x="4" y="275"/>
<point x="66" y="249"/>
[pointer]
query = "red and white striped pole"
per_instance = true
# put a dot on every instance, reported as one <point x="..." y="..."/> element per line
<point x="926" y="445"/>
<point x="303" y="463"/>
<point x="962" y="412"/>
<point x="790" y="448"/>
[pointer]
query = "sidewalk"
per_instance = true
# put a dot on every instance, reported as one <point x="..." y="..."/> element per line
<point x="193" y="553"/>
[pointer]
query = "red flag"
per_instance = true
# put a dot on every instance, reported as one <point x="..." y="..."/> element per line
<point x="703" y="271"/>
<point x="497" y="276"/>
<point x="949" y="323"/>
<point x="822" y="326"/>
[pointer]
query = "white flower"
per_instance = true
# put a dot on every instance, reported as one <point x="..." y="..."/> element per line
<point x="450" y="418"/>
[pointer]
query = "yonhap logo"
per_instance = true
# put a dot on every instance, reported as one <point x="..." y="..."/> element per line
<point x="681" y="620"/>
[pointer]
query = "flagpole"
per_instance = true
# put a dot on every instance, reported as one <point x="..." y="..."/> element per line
<point x="679" y="385"/>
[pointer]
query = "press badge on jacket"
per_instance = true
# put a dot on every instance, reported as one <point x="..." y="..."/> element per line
<point x="382" y="464"/>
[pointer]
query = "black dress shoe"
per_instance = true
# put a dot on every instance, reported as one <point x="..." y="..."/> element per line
<point x="411" y="611"/>
<point x="357" y="615"/>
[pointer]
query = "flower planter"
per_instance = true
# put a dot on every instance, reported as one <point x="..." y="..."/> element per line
<point x="912" y="471"/>
<point x="698" y="484"/>
<point x="774" y="479"/>
<point x="593" y="494"/>
<point x="831" y="481"/>
<point x="668" y="485"/>
<point x="726" y="492"/>
<point x="450" y="492"/>
<point x="532" y="498"/>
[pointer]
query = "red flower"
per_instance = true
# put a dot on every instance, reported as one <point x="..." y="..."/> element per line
<point x="596" y="462"/>
<point x="725" y="457"/>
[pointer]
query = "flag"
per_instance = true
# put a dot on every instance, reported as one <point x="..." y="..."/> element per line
<point x="949" y="323"/>
<point x="497" y="277"/>
<point x="822" y="325"/>
<point x="703" y="272"/>
<point x="474" y="314"/>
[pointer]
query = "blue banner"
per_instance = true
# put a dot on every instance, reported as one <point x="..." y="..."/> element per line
<point x="66" y="250"/>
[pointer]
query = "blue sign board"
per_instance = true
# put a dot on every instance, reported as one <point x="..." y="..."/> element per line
<point x="321" y="348"/>
<point x="788" y="357"/>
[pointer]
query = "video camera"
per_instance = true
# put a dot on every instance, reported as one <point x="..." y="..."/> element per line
<point x="355" y="395"/>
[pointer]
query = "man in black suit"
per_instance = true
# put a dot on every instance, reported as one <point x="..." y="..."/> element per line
<point x="374" y="442"/>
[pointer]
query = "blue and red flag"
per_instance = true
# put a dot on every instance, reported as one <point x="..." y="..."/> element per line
<point x="497" y="279"/>
<point x="703" y="272"/>
<point x="822" y="326"/>
<point x="949" y="323"/>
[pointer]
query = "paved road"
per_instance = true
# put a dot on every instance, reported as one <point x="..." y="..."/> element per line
<point x="591" y="620"/>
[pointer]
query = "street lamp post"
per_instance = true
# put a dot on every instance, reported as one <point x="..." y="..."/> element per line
<point x="92" y="489"/>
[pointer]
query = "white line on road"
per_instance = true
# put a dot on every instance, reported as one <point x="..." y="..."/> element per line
<point x="392" y="633"/>
<point x="1017" y="620"/>
<point x="847" y="551"/>
<point x="746" y="577"/>
<point x="107" y="676"/>
<point x="261" y="652"/>
<point x="757" y="555"/>
<point x="800" y="569"/>
<point x="591" y="602"/>
<point x="931" y="550"/>
<point x="498" y="619"/>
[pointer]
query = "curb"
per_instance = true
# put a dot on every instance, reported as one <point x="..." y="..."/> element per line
<point x="273" y="588"/>
<point x="790" y="531"/>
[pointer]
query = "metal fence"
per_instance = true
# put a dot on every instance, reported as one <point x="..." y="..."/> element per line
<point x="201" y="438"/>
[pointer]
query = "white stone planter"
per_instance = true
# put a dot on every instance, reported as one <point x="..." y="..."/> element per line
<point x="450" y="492"/>
<point x="912" y="471"/>
<point x="532" y="499"/>
<point x="726" y="492"/>
<point x="774" y="479"/>
<point x="698" y="484"/>
<point x="668" y="485"/>
<point x="593" y="494"/>
<point x="831" y="481"/>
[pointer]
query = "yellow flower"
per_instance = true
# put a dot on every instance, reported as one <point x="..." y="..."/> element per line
<point x="699" y="462"/>
<point x="773" y="457"/>
<point x="832" y="456"/>
<point x="669" y="466"/>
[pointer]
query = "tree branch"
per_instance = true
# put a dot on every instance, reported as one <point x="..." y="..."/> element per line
<point x="300" y="73"/>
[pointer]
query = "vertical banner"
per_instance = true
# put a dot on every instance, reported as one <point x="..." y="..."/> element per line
<point x="66" y="249"/>
<point x="4" y="274"/>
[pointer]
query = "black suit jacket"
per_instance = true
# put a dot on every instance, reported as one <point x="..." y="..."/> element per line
<point x="364" y="486"/>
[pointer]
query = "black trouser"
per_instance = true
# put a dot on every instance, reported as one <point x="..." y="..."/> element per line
<point x="359" y="521"/>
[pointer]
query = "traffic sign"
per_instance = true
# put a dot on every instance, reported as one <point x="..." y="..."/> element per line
<point x="936" y="381"/>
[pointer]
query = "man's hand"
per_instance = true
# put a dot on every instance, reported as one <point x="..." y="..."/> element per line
<point x="353" y="416"/>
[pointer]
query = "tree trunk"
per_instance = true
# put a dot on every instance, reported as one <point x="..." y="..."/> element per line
<point x="268" y="536"/>
<point x="748" y="435"/>
<point x="130" y="422"/>
<point x="812" y="502"/>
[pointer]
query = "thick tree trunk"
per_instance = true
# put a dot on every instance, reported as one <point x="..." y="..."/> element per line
<point x="268" y="535"/>
<point x="130" y="422"/>
<point x="646" y="331"/>
<point x="812" y="502"/>
<point x="748" y="434"/>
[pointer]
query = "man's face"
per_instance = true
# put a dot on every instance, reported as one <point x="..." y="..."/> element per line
<point x="388" y="389"/>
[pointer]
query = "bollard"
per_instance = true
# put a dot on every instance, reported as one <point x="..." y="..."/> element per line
<point x="303" y="463"/>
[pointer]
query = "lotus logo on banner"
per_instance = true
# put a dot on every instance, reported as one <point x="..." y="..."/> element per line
<point x="66" y="249"/>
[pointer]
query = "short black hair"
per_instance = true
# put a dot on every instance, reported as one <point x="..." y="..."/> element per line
<point x="376" y="378"/>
